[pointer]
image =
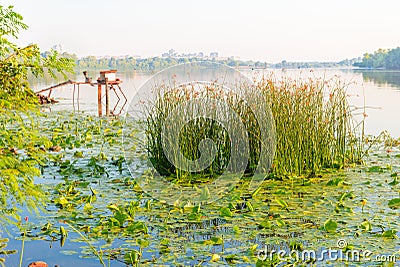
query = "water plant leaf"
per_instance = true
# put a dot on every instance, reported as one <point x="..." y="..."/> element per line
<point x="346" y="195"/>
<point x="246" y="259"/>
<point x="194" y="216"/>
<point x="196" y="209"/>
<point x="366" y="226"/>
<point x="62" y="240"/>
<point x="335" y="182"/>
<point x="69" y="252"/>
<point x="137" y="228"/>
<point x="330" y="226"/>
<point x="164" y="246"/>
<point x="232" y="206"/>
<point x="88" y="207"/>
<point x="78" y="154"/>
<point x="143" y="243"/>
<point x="61" y="202"/>
<point x="395" y="181"/>
<point x="294" y="245"/>
<point x="249" y="206"/>
<point x="282" y="203"/>
<point x="217" y="240"/>
<point x="120" y="217"/>
<point x="256" y="191"/>
<point x="280" y="223"/>
<point x="113" y="207"/>
<point x="266" y="224"/>
<point x="231" y="259"/>
<point x="375" y="169"/>
<point x="132" y="257"/>
<point x="215" y="257"/>
<point x="148" y="205"/>
<point x="225" y="212"/>
<point x="394" y="203"/>
<point x="164" y="242"/>
<point x="63" y="232"/>
<point x="391" y="234"/>
<point x="93" y="191"/>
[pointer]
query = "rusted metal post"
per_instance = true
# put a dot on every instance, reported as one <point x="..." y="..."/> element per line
<point x="73" y="98"/>
<point x="107" y="104"/>
<point x="99" y="107"/>
<point x="78" y="96"/>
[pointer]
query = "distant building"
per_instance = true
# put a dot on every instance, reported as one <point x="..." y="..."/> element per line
<point x="58" y="48"/>
<point x="201" y="55"/>
<point x="214" y="55"/>
<point x="172" y="53"/>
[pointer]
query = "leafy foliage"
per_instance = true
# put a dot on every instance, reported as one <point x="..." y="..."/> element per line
<point x="21" y="146"/>
<point x="16" y="63"/>
<point x="381" y="59"/>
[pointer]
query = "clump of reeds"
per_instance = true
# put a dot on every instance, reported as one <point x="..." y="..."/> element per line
<point x="314" y="127"/>
<point x="198" y="128"/>
<point x="312" y="121"/>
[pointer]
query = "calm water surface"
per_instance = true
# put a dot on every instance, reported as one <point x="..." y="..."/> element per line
<point x="378" y="91"/>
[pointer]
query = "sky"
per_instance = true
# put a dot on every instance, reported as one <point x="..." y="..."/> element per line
<point x="271" y="31"/>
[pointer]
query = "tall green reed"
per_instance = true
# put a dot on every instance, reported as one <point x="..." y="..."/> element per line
<point x="313" y="122"/>
<point x="314" y="126"/>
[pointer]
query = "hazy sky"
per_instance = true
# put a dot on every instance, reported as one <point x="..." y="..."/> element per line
<point x="262" y="30"/>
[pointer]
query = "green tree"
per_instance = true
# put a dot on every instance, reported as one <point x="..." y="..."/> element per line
<point x="381" y="59"/>
<point x="16" y="63"/>
<point x="393" y="59"/>
<point x="20" y="153"/>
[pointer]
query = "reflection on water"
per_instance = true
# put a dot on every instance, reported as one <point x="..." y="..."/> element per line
<point x="379" y="91"/>
<point x="382" y="78"/>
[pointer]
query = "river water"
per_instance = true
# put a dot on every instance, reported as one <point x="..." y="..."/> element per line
<point x="377" y="91"/>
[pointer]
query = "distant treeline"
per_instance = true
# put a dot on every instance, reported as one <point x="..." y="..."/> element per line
<point x="148" y="64"/>
<point x="128" y="63"/>
<point x="388" y="59"/>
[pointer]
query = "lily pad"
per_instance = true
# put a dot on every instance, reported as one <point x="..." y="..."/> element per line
<point x="366" y="226"/>
<point x="330" y="226"/>
<point x="389" y="234"/>
<point x="394" y="203"/>
<point x="225" y="212"/>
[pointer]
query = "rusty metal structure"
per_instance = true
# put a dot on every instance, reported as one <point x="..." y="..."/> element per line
<point x="108" y="80"/>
